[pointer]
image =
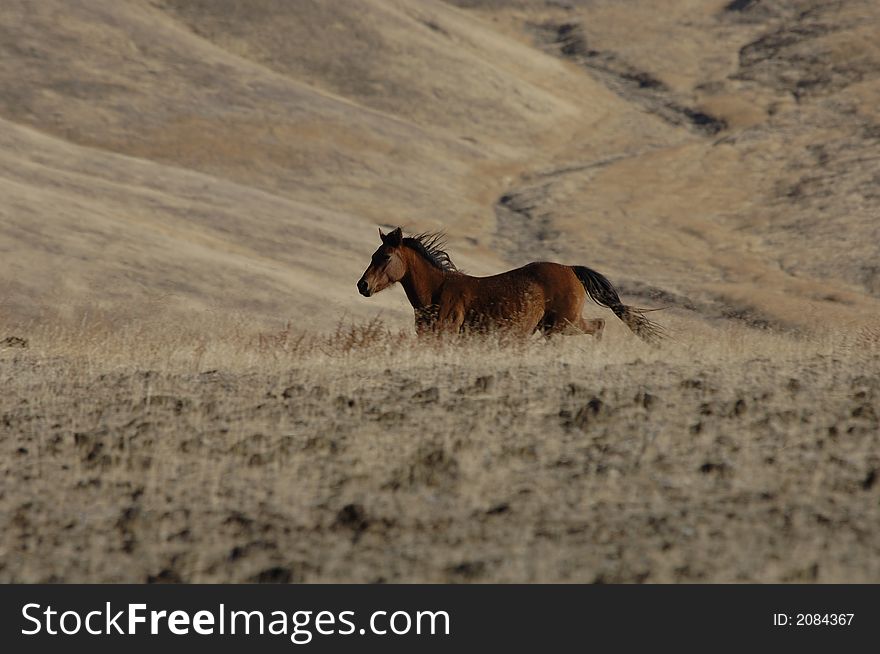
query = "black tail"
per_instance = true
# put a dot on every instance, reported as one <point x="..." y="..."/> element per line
<point x="603" y="293"/>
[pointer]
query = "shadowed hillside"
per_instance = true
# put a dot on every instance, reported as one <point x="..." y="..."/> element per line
<point x="763" y="206"/>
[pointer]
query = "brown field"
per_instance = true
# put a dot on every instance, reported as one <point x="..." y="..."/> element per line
<point x="366" y="456"/>
<point x="191" y="388"/>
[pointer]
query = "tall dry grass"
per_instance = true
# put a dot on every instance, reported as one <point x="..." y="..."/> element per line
<point x="146" y="337"/>
<point x="146" y="446"/>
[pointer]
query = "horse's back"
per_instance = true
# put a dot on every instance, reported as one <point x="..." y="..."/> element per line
<point x="539" y="271"/>
<point x="523" y="296"/>
<point x="555" y="279"/>
<point x="542" y="280"/>
<point x="547" y="271"/>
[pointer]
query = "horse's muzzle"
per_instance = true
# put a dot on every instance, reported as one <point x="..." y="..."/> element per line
<point x="363" y="288"/>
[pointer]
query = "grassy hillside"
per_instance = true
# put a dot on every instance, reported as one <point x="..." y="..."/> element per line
<point x="193" y="389"/>
<point x="255" y="165"/>
<point x="237" y="156"/>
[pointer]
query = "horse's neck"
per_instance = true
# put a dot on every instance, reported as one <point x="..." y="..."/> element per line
<point x="421" y="282"/>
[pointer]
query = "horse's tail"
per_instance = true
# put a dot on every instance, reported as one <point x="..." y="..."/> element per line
<point x="603" y="293"/>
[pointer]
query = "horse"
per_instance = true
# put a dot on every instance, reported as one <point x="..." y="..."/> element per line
<point x="540" y="297"/>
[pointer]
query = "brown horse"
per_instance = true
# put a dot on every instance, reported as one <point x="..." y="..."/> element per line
<point x="540" y="296"/>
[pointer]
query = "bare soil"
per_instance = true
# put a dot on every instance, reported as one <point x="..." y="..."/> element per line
<point x="737" y="457"/>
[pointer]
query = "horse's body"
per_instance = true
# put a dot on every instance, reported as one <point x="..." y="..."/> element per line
<point x="541" y="296"/>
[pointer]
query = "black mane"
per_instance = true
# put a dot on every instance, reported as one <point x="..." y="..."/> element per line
<point x="430" y="245"/>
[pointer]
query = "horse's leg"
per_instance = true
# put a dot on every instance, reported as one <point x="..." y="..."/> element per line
<point x="569" y="321"/>
<point x="563" y="316"/>
<point x="426" y="320"/>
<point x="531" y="314"/>
<point x="547" y="326"/>
<point x="578" y="327"/>
<point x="451" y="318"/>
<point x="593" y="326"/>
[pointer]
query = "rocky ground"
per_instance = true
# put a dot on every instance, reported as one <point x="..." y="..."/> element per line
<point x="568" y="462"/>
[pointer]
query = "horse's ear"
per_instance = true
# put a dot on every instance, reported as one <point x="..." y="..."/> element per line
<point x="382" y="235"/>
<point x="395" y="238"/>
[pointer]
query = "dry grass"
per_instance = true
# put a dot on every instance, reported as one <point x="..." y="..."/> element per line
<point x="180" y="178"/>
<point x="216" y="452"/>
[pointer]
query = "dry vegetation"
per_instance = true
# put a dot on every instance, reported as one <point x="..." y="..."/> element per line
<point x="190" y="191"/>
<point x="218" y="453"/>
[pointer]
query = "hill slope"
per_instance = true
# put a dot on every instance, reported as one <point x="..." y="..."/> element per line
<point x="191" y="189"/>
<point x="238" y="156"/>
<point x="285" y="136"/>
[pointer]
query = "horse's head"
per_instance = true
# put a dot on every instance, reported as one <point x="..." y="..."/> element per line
<point x="387" y="266"/>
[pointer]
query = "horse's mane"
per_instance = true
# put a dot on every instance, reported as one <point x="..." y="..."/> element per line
<point x="430" y="245"/>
